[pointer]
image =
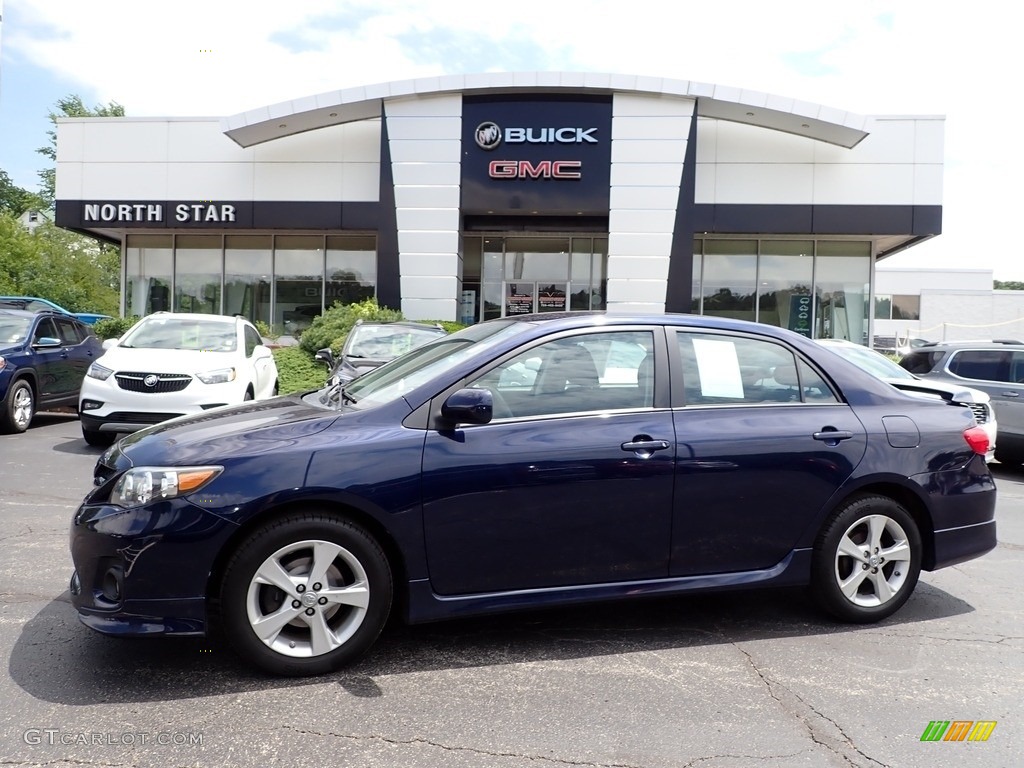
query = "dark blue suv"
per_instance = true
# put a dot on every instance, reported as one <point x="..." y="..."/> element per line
<point x="43" y="359"/>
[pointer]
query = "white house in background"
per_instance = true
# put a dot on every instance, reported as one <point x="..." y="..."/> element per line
<point x="32" y="218"/>
<point x="944" y="305"/>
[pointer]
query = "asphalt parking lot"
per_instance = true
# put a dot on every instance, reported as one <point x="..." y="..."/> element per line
<point x="717" y="681"/>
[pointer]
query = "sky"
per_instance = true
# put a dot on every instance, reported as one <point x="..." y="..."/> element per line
<point x="220" y="57"/>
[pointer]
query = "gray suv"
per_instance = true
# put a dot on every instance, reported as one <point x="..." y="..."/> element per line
<point x="995" y="367"/>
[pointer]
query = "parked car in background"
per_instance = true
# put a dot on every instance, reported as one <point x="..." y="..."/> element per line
<point x="889" y="371"/>
<point x="994" y="367"/>
<point x="43" y="359"/>
<point x="370" y="345"/>
<point x="528" y="462"/>
<point x="35" y="304"/>
<point x="170" y="364"/>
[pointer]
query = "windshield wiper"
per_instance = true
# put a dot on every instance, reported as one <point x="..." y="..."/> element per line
<point x="337" y="394"/>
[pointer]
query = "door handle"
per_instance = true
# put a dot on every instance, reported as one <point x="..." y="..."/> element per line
<point x="645" y="447"/>
<point x="1011" y="393"/>
<point x="832" y="436"/>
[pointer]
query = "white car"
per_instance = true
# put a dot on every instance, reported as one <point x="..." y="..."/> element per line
<point x="883" y="368"/>
<point x="171" y="364"/>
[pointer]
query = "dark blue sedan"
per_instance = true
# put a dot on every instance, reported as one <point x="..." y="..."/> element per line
<point x="43" y="358"/>
<point x="535" y="461"/>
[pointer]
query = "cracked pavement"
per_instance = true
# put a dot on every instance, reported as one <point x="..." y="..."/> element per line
<point x="711" y="681"/>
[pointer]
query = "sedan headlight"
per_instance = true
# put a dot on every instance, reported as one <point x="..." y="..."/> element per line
<point x="220" y="376"/>
<point x="143" y="485"/>
<point x="97" y="371"/>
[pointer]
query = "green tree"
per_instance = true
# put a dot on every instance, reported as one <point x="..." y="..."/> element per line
<point x="69" y="106"/>
<point x="18" y="250"/>
<point x="1008" y="285"/>
<point x="14" y="199"/>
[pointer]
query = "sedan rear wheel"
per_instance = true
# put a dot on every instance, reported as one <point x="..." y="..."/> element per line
<point x="305" y="594"/>
<point x="867" y="560"/>
<point x="19" y="407"/>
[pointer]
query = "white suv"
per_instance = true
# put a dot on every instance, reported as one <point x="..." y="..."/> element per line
<point x="171" y="364"/>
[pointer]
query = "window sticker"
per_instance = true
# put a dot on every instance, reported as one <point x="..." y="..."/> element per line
<point x="719" y="368"/>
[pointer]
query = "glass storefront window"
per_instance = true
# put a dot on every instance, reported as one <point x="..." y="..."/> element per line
<point x="351" y="269"/>
<point x="698" y="263"/>
<point x="197" y="271"/>
<point x="247" y="270"/>
<point x="148" y="260"/>
<point x="536" y="258"/>
<point x="784" y="277"/>
<point x="842" y="273"/>
<point x="298" y="281"/>
<point x="730" y="278"/>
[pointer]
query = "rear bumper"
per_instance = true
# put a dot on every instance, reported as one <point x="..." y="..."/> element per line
<point x="955" y="545"/>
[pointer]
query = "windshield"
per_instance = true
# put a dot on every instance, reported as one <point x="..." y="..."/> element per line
<point x="13" y="330"/>
<point x="182" y="333"/>
<point x="392" y="381"/>
<point x="386" y="342"/>
<point x="877" y="365"/>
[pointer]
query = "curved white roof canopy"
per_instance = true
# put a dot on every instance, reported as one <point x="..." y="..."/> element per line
<point x="833" y="126"/>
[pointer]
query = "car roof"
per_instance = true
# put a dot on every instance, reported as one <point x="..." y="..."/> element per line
<point x="41" y="313"/>
<point x="947" y="345"/>
<point x="196" y="316"/>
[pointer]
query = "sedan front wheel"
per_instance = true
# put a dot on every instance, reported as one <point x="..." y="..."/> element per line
<point x="305" y="594"/>
<point x="866" y="560"/>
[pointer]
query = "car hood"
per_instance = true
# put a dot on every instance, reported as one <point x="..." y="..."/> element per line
<point x="254" y="427"/>
<point x="166" y="360"/>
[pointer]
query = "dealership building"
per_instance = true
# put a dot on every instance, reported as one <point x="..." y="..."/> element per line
<point x="469" y="197"/>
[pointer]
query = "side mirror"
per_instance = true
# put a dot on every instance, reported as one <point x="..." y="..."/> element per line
<point x="325" y="356"/>
<point x="45" y="342"/>
<point x="469" y="406"/>
<point x="110" y="343"/>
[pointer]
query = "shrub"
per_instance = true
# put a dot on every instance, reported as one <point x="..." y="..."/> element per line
<point x="297" y="371"/>
<point x="331" y="328"/>
<point x="266" y="331"/>
<point x="114" y="327"/>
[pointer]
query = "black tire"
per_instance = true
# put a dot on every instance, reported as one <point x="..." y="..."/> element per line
<point x="248" y="396"/>
<point x="99" y="439"/>
<point x="876" y="584"/>
<point x="351" y="624"/>
<point x="19" y="407"/>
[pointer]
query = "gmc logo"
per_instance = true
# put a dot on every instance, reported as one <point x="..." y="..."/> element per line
<point x="543" y="169"/>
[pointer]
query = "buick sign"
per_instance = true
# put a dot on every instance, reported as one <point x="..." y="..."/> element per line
<point x="151" y="380"/>
<point x="488" y="135"/>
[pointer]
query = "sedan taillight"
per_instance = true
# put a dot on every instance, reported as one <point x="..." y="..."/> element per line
<point x="977" y="439"/>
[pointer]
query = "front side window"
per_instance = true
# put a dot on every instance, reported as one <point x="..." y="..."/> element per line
<point x="734" y="370"/>
<point x="612" y="370"/>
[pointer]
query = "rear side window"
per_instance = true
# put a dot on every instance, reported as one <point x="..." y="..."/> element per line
<point x="986" y="364"/>
<point x="733" y="370"/>
<point x="921" y="362"/>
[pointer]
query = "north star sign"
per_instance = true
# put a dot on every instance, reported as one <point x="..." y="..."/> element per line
<point x="183" y="213"/>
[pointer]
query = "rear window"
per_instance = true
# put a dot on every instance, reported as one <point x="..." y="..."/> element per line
<point x="921" y="362"/>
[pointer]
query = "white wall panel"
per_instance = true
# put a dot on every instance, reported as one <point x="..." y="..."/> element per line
<point x="427" y="196"/>
<point x="765" y="183"/>
<point x="928" y="181"/>
<point x="125" y="142"/>
<point x="429" y="264"/>
<point x="124" y="181"/>
<point x="704" y="183"/>
<point x="863" y="185"/>
<point x="69" y="181"/>
<point x="890" y="141"/>
<point x="644" y="198"/>
<point x="429" y="309"/>
<point x="297" y="181"/>
<point x="325" y="145"/>
<point x="418" y="151"/>
<point x="439" y="219"/>
<point x="416" y="241"/>
<point x="647" y="127"/>
<point x="426" y="173"/>
<point x="71" y="142"/>
<point x="648" y="151"/>
<point x="648" y="244"/>
<point x="402" y="128"/>
<point x="636" y="307"/>
<point x="738" y="143"/>
<point x="646" y="175"/>
<point x="632" y="289"/>
<point x="360" y="182"/>
<point x="929" y="144"/>
<point x="429" y="287"/>
<point x="707" y="140"/>
<point x="627" y="221"/>
<point x="197" y="141"/>
<point x="211" y="181"/>
<point x="639" y="268"/>
<point x="431" y="106"/>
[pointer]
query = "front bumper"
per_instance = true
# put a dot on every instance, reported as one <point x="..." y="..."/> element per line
<point x="105" y="407"/>
<point x="144" y="571"/>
